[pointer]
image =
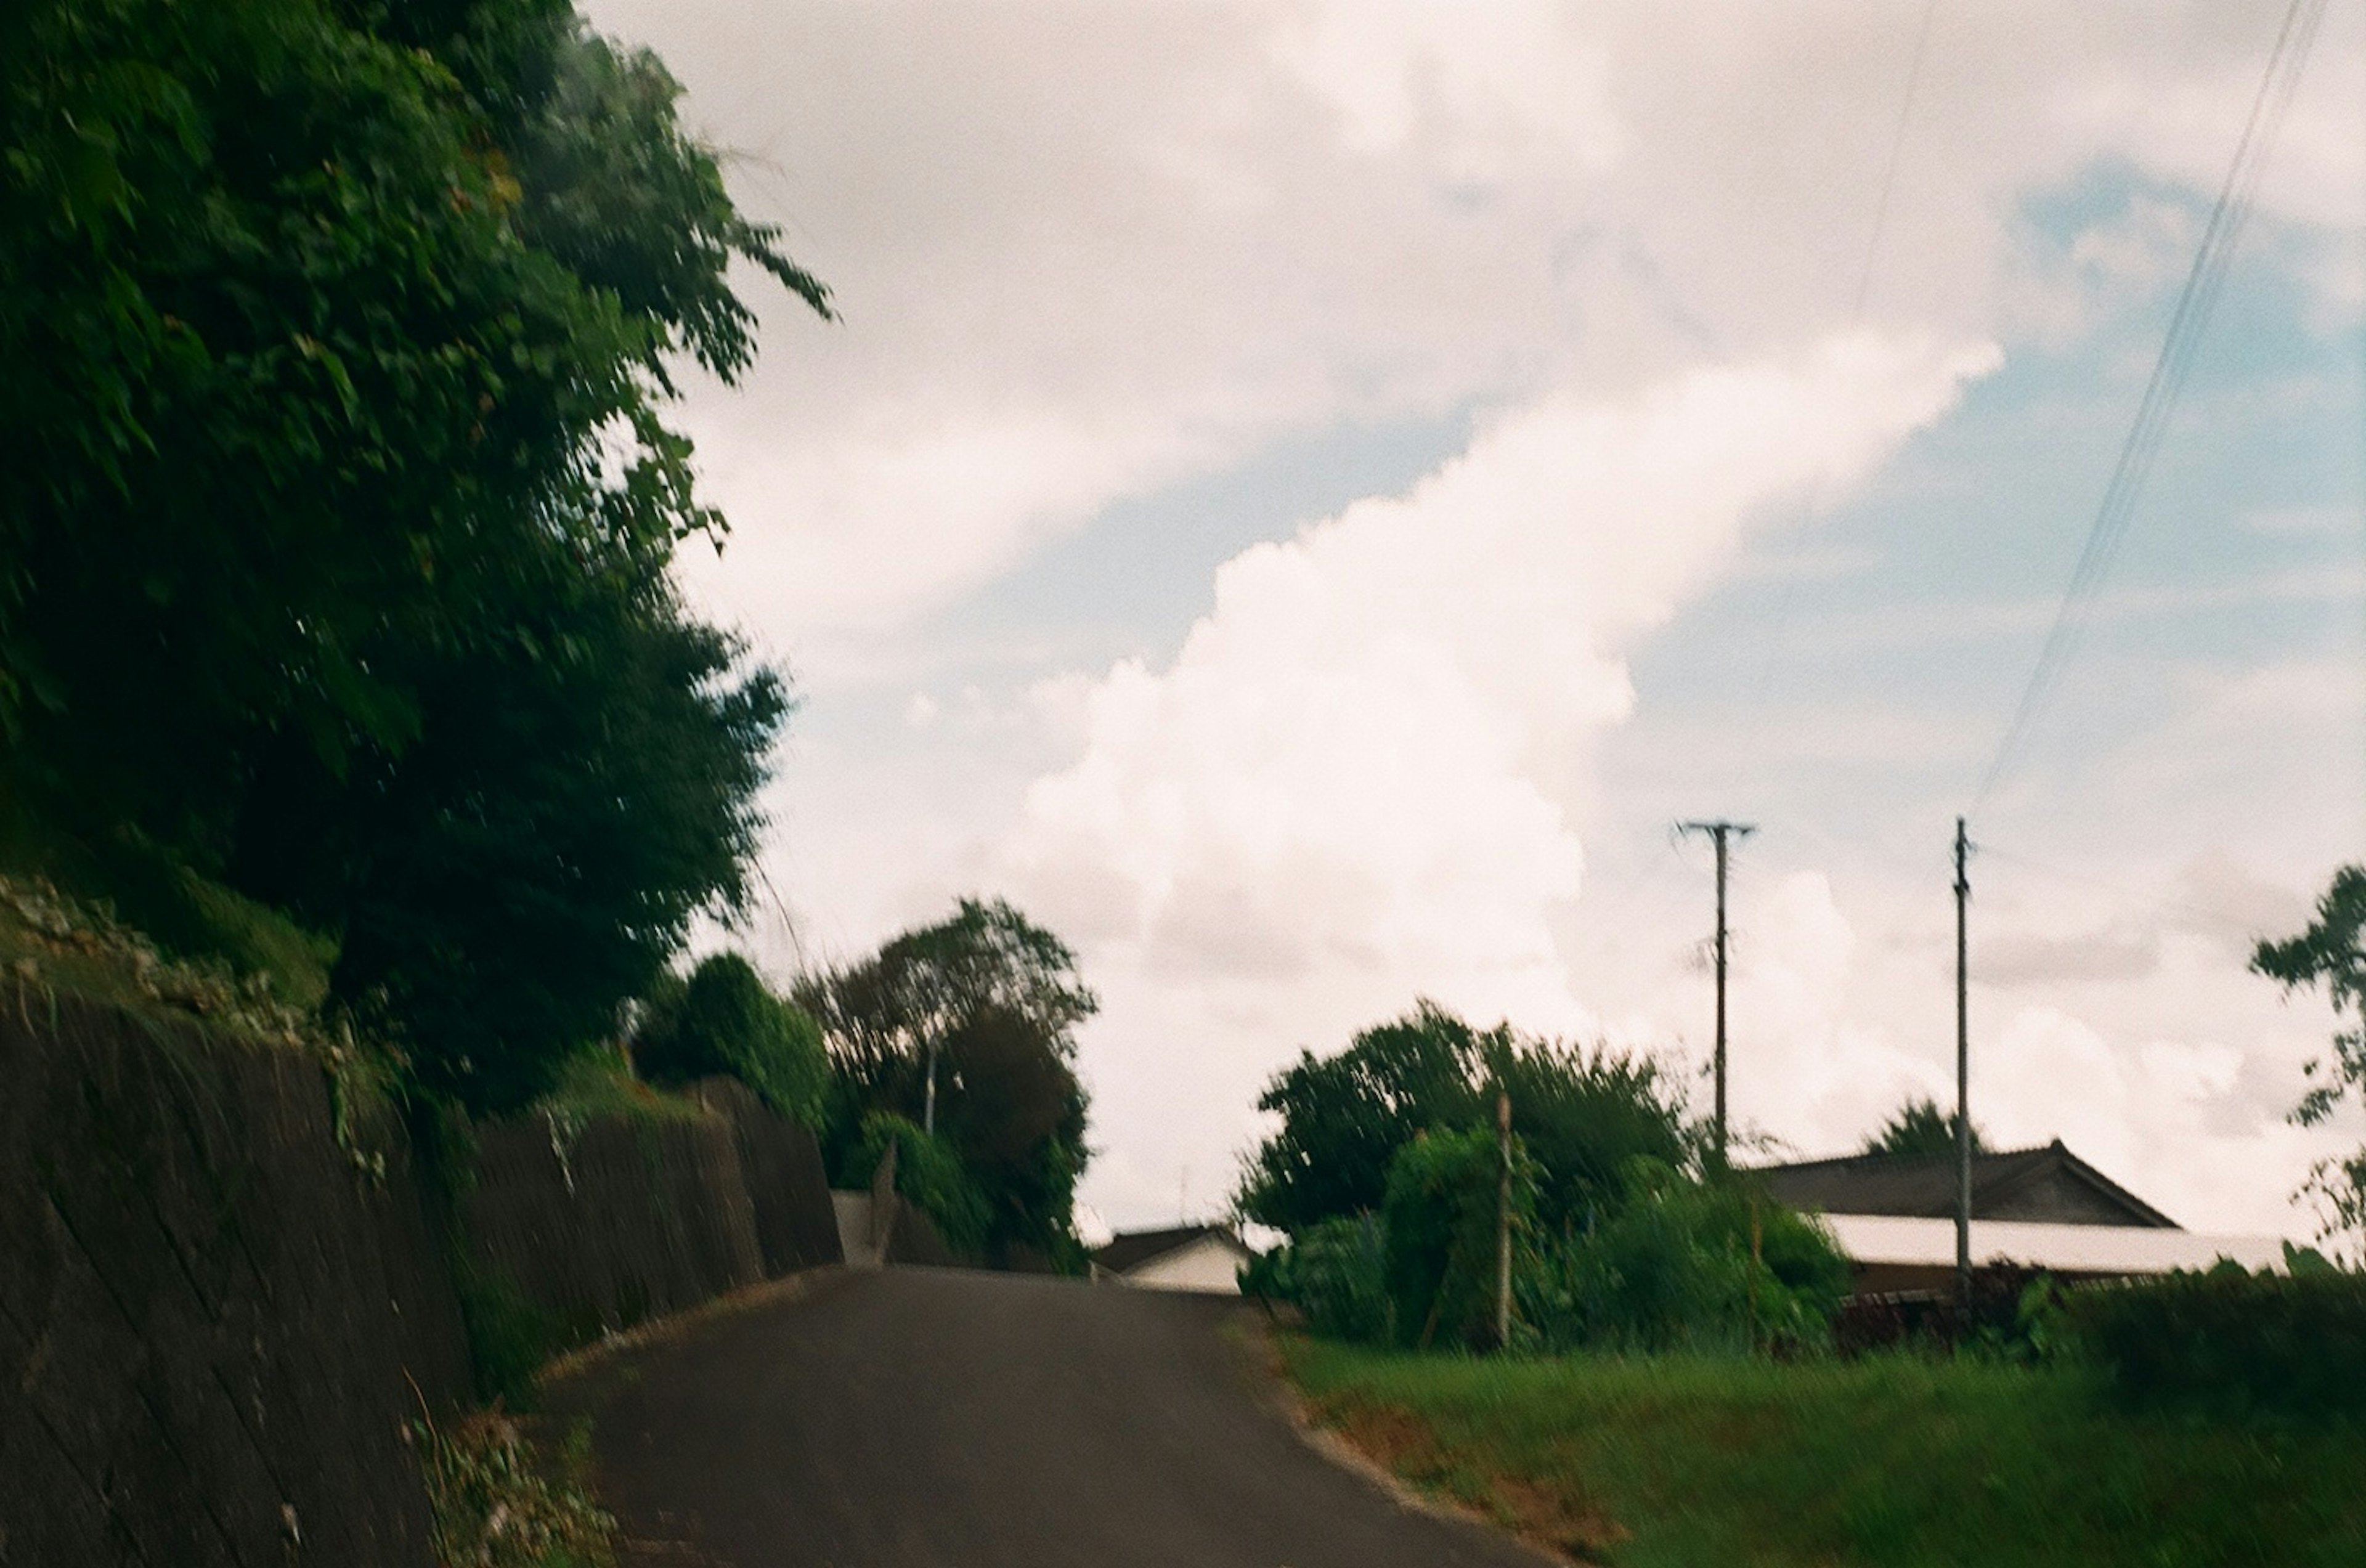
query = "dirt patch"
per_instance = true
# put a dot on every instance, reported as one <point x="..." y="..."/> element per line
<point x="1543" y="1513"/>
<point x="1399" y="1451"/>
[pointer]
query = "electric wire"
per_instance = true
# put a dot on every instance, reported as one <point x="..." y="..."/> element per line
<point x="2195" y="302"/>
<point x="2216" y="918"/>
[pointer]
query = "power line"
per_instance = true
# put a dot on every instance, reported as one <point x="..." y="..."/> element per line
<point x="2199" y="296"/>
<point x="2173" y="906"/>
<point x="1889" y="169"/>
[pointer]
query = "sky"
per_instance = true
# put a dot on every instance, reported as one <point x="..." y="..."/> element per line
<point x="1303" y="496"/>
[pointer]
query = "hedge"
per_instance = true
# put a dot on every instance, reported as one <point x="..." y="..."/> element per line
<point x="2235" y="1343"/>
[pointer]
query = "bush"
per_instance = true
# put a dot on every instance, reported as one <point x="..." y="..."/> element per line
<point x="929" y="1174"/>
<point x="724" y="1020"/>
<point x="1671" y="1269"/>
<point x="2231" y="1342"/>
<point x="1335" y="1273"/>
<point x="1440" y="1219"/>
<point x="498" y="1502"/>
<point x="2015" y="1315"/>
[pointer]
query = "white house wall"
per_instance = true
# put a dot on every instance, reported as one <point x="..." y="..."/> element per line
<point x="1206" y="1265"/>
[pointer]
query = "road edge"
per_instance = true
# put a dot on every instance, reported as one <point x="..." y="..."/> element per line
<point x="795" y="1286"/>
<point x="1254" y="1333"/>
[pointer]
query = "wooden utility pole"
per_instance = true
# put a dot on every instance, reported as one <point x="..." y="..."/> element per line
<point x="928" y="1104"/>
<point x="1719" y="832"/>
<point x="1963" y="1084"/>
<point x="1503" y="1220"/>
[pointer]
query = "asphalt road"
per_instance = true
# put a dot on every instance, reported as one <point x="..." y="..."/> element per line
<point x="918" y="1416"/>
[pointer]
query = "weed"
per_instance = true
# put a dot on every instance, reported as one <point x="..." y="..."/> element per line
<point x="496" y="1504"/>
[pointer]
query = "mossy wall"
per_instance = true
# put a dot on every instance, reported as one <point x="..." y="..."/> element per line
<point x="217" y="1315"/>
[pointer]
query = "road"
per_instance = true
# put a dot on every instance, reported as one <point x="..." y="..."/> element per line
<point x="918" y="1417"/>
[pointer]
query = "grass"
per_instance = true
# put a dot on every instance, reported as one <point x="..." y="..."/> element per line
<point x="122" y="880"/>
<point x="595" y="1084"/>
<point x="1885" y="1461"/>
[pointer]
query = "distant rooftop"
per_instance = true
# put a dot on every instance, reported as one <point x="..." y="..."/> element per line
<point x="2049" y="1185"/>
<point x="1129" y="1250"/>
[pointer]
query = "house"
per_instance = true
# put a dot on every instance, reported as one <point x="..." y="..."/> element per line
<point x="1894" y="1215"/>
<point x="1205" y="1259"/>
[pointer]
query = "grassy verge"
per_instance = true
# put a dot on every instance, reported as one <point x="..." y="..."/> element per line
<point x="1672" y="1460"/>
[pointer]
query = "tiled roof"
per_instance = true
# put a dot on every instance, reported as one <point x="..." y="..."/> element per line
<point x="2049" y="1184"/>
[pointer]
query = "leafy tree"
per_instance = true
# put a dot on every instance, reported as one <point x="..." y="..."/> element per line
<point x="723" y="1019"/>
<point x="580" y="789"/>
<point x="304" y="363"/>
<point x="1016" y="1112"/>
<point x="1587" y="1117"/>
<point x="1344" y="1117"/>
<point x="336" y="500"/>
<point x="1335" y="1273"/>
<point x="889" y="1012"/>
<point x="992" y="1000"/>
<point x="2332" y="953"/>
<point x="1582" y="1116"/>
<point x="1919" y="1128"/>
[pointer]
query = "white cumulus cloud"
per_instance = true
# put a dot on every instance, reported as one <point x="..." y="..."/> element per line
<point x="1353" y="783"/>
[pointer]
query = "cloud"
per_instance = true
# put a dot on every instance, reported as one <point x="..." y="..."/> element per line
<point x="1083" y="251"/>
<point x="1350" y="786"/>
<point x="1088" y="252"/>
<point x="2027" y="959"/>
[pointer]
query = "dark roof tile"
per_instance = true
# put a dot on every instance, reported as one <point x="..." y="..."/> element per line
<point x="1129" y="1250"/>
<point x="2047" y="1184"/>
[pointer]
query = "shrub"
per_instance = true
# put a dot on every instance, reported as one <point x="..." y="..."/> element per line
<point x="1441" y="1215"/>
<point x="2015" y="1314"/>
<point x="2231" y="1342"/>
<point x="929" y="1174"/>
<point x="1672" y="1269"/>
<point x="497" y="1502"/>
<point x="724" y="1020"/>
<point x="1335" y="1273"/>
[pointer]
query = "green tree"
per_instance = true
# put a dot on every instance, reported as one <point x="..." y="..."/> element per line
<point x="885" y="1014"/>
<point x="1582" y="1115"/>
<point x="990" y="1001"/>
<point x="1344" y="1117"/>
<point x="580" y="789"/>
<point x="1015" y="1110"/>
<point x="336" y="499"/>
<point x="2331" y="953"/>
<point x="723" y="1019"/>
<point x="1920" y="1129"/>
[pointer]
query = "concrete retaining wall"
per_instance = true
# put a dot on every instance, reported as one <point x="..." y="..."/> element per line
<point x="216" y="1313"/>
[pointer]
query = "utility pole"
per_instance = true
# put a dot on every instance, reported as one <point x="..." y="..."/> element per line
<point x="1719" y="832"/>
<point x="1503" y="1220"/>
<point x="928" y="1105"/>
<point x="1963" y="1085"/>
